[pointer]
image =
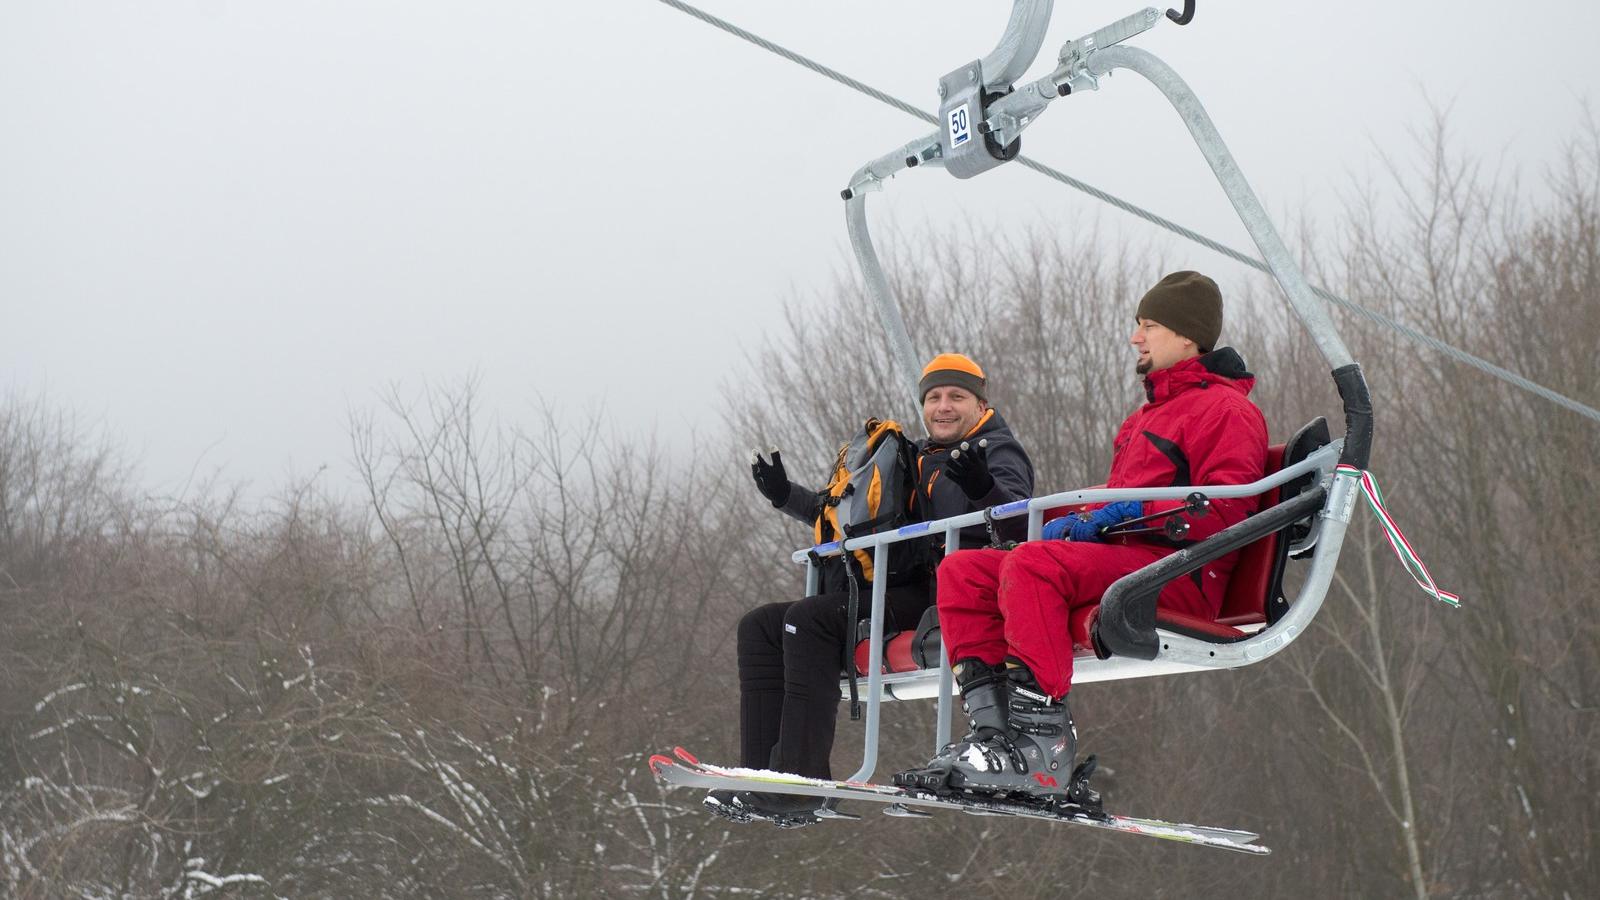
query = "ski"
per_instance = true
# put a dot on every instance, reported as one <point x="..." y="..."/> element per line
<point x="684" y="770"/>
<point x="685" y="758"/>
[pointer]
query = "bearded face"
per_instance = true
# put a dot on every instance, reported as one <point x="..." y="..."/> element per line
<point x="1159" y="347"/>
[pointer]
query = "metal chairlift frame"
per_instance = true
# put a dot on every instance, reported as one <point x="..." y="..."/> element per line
<point x="983" y="113"/>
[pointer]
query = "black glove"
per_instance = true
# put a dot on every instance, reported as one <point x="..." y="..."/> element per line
<point x="969" y="469"/>
<point x="771" y="480"/>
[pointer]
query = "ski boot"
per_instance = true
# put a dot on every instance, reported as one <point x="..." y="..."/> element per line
<point x="984" y="690"/>
<point x="1033" y="758"/>
<point x="782" y="810"/>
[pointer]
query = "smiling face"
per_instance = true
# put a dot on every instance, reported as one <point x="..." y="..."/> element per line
<point x="1159" y="346"/>
<point x="950" y="413"/>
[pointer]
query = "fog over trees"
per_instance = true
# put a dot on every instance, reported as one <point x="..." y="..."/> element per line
<point x="449" y="686"/>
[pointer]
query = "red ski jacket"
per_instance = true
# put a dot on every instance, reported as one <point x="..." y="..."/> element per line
<point x="1198" y="427"/>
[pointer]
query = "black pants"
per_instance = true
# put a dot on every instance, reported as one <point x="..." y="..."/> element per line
<point x="791" y="657"/>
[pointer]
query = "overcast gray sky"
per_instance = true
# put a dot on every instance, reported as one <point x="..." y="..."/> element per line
<point x="224" y="224"/>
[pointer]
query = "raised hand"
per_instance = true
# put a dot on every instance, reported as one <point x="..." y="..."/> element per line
<point x="969" y="469"/>
<point x="771" y="479"/>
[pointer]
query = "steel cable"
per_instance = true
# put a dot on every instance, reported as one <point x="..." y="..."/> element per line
<point x="1410" y="333"/>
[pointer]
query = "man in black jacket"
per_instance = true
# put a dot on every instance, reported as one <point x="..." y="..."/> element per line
<point x="791" y="653"/>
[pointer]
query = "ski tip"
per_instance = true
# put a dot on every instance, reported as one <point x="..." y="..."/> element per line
<point x="657" y="761"/>
<point x="685" y="755"/>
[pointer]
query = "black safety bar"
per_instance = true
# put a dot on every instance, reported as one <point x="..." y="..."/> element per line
<point x="1357" y="415"/>
<point x="1127" y="622"/>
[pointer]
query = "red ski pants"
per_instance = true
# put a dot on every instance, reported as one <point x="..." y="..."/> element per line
<point x="1034" y="602"/>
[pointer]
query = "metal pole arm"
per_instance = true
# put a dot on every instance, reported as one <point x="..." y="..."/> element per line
<point x="1313" y="311"/>
<point x="868" y="178"/>
<point x="1311" y="308"/>
<point x="1006" y="118"/>
<point x="1020" y="43"/>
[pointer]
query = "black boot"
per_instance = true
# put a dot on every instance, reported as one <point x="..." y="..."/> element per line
<point x="984" y="692"/>
<point x="782" y="810"/>
<point x="724" y="803"/>
<point x="1034" y="756"/>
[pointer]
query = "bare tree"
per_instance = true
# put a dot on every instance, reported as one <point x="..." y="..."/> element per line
<point x="452" y="688"/>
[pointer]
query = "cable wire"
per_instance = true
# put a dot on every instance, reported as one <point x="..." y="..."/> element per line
<point x="1431" y="343"/>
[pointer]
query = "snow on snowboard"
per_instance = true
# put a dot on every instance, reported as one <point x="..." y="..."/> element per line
<point x="686" y="771"/>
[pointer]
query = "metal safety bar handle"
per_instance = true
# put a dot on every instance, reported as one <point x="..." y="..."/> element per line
<point x="1320" y="461"/>
<point x="1332" y="499"/>
<point x="1127" y="624"/>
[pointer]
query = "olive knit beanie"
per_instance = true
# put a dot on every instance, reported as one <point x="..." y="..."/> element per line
<point x="1188" y="303"/>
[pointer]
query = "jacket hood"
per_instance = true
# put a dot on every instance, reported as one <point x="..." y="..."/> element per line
<point x="1222" y="366"/>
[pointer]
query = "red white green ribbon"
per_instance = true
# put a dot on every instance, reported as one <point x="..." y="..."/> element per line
<point x="1397" y="539"/>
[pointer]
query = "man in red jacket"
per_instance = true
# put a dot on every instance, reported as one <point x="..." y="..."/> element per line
<point x="1010" y="618"/>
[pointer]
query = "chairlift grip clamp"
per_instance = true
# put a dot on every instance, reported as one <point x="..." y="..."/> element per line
<point x="966" y="139"/>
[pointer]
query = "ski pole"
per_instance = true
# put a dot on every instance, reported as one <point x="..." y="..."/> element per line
<point x="1174" y="528"/>
<point x="1196" y="503"/>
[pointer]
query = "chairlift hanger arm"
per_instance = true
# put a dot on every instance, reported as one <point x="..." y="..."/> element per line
<point x="1015" y="51"/>
<point x="969" y="144"/>
<point x="868" y="178"/>
<point x="986" y="139"/>
<point x="1311" y="309"/>
<point x="1018" y="46"/>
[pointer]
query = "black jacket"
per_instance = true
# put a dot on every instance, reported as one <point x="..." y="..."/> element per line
<point x="939" y="498"/>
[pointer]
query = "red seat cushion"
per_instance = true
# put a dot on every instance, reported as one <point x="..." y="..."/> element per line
<point x="1192" y="625"/>
<point x="1245" y="603"/>
<point x="897" y="655"/>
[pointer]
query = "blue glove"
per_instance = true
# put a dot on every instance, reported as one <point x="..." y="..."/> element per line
<point x="1056" y="529"/>
<point x="1086" y="526"/>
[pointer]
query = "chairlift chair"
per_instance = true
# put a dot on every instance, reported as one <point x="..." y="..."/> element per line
<point x="1305" y="507"/>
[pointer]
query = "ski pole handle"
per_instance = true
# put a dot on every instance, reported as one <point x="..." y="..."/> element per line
<point x="1196" y="504"/>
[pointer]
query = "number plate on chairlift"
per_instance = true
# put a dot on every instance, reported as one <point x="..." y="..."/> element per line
<point x="960" y="126"/>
